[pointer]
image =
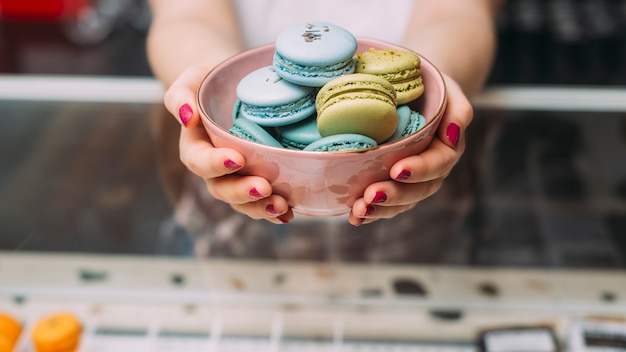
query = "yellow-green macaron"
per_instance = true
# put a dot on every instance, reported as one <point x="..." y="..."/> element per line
<point x="357" y="103"/>
<point x="400" y="67"/>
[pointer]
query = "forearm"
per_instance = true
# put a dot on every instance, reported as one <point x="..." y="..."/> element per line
<point x="190" y="33"/>
<point x="458" y="37"/>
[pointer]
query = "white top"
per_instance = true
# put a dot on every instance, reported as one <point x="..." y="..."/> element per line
<point x="262" y="20"/>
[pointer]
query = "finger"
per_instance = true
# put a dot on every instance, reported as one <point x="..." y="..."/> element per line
<point x="180" y="98"/>
<point x="203" y="159"/>
<point x="273" y="208"/>
<point x="458" y="115"/>
<point x="435" y="162"/>
<point x="391" y="193"/>
<point x="398" y="197"/>
<point x="372" y="213"/>
<point x="236" y="189"/>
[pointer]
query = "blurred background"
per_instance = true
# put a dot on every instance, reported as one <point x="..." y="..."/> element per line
<point x="542" y="184"/>
<point x="531" y="181"/>
<point x="541" y="42"/>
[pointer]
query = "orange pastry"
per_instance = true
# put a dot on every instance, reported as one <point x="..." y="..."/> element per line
<point x="5" y="345"/>
<point x="10" y="330"/>
<point x="57" y="333"/>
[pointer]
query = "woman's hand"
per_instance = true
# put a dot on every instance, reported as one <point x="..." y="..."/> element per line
<point x="419" y="176"/>
<point x="250" y="195"/>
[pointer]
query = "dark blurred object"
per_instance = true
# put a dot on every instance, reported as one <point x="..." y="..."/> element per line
<point x="579" y="42"/>
<point x="83" y="22"/>
<point x="104" y="37"/>
<point x="566" y="20"/>
<point x="41" y="9"/>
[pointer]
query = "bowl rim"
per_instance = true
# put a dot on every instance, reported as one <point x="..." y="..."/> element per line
<point x="437" y="115"/>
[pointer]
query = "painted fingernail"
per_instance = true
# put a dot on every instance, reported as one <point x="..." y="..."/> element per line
<point x="231" y="165"/>
<point x="379" y="197"/>
<point x="184" y="113"/>
<point x="271" y="210"/>
<point x="255" y="193"/>
<point x="283" y="219"/>
<point x="453" y="132"/>
<point x="403" y="175"/>
<point x="369" y="211"/>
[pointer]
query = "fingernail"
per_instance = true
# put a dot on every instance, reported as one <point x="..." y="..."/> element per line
<point x="185" y="112"/>
<point x="403" y="175"/>
<point x="283" y="218"/>
<point x="271" y="210"/>
<point x="369" y="211"/>
<point x="231" y="165"/>
<point x="379" y="197"/>
<point x="255" y="193"/>
<point x="453" y="132"/>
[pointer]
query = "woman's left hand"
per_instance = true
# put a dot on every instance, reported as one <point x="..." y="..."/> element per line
<point x="417" y="177"/>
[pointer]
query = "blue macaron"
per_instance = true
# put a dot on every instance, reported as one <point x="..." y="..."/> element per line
<point x="341" y="143"/>
<point x="299" y="135"/>
<point x="268" y="100"/>
<point x="246" y="129"/>
<point x="313" y="53"/>
<point x="409" y="122"/>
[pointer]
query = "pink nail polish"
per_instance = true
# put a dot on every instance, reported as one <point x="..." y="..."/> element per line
<point x="379" y="197"/>
<point x="403" y="175"/>
<point x="184" y="113"/>
<point x="231" y="165"/>
<point x="271" y="210"/>
<point x="255" y="193"/>
<point x="369" y="211"/>
<point x="283" y="219"/>
<point x="453" y="132"/>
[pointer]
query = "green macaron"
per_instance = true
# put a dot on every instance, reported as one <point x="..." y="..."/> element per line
<point x="400" y="67"/>
<point x="357" y="104"/>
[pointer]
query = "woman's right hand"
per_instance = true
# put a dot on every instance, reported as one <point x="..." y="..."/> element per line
<point x="250" y="195"/>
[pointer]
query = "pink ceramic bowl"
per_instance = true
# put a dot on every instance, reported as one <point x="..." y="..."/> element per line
<point x="314" y="183"/>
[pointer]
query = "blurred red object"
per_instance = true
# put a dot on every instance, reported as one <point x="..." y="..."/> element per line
<point x="52" y="10"/>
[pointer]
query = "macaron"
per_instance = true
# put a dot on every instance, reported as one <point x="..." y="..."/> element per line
<point x="357" y="103"/>
<point x="409" y="122"/>
<point x="341" y="143"/>
<point x="57" y="332"/>
<point x="299" y="135"/>
<point x="269" y="100"/>
<point x="248" y="130"/>
<point x="10" y="331"/>
<point x="313" y="53"/>
<point x="401" y="68"/>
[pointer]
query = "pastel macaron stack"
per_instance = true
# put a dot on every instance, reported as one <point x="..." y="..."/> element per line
<point x="320" y="95"/>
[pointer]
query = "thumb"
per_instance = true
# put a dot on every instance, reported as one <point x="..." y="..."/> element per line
<point x="180" y="97"/>
<point x="457" y="116"/>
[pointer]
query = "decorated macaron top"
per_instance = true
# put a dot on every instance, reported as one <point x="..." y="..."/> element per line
<point x="316" y="44"/>
<point x="400" y="67"/>
<point x="392" y="64"/>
